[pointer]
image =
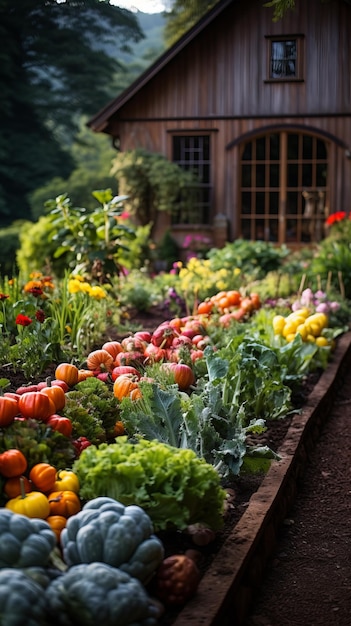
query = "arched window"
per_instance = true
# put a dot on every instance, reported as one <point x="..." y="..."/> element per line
<point x="283" y="187"/>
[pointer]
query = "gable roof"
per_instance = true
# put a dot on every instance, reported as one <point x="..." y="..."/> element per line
<point x="99" y="122"/>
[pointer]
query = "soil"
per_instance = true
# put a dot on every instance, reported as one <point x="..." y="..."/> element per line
<point x="308" y="579"/>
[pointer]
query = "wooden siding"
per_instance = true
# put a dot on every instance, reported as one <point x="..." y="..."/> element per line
<point x="222" y="73"/>
<point x="217" y="85"/>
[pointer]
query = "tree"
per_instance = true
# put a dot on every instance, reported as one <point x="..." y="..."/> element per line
<point x="53" y="68"/>
<point x="183" y="15"/>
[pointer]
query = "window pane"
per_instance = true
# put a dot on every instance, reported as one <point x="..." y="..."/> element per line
<point x="246" y="176"/>
<point x="274" y="147"/>
<point x="283" y="59"/>
<point x="291" y="230"/>
<point x="321" y="174"/>
<point x="273" y="203"/>
<point x="292" y="175"/>
<point x="247" y="152"/>
<point x="293" y="147"/>
<point x="193" y="154"/>
<point x="261" y="149"/>
<point x="292" y="203"/>
<point x="260" y="203"/>
<point x="246" y="202"/>
<point x="321" y="149"/>
<point x="307" y="147"/>
<point x="307" y="179"/>
<point x="260" y="175"/>
<point x="274" y="175"/>
<point x="273" y="230"/>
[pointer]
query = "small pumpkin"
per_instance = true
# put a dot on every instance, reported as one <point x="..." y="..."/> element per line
<point x="56" y="394"/>
<point x="66" y="480"/>
<point x="123" y="386"/>
<point x="68" y="373"/>
<point x="57" y="524"/>
<point x="83" y="374"/>
<point x="33" y="504"/>
<point x="43" y="476"/>
<point x="177" y="580"/>
<point x="8" y="410"/>
<point x="124" y="369"/>
<point x="12" y="487"/>
<point x="113" y="348"/>
<point x="100" y="360"/>
<point x="65" y="503"/>
<point x="12" y="463"/>
<point x="62" y="424"/>
<point x="183" y="375"/>
<point x="36" y="405"/>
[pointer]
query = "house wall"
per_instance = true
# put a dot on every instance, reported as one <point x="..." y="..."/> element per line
<point x="218" y="84"/>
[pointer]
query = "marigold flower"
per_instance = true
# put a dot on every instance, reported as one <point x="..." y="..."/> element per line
<point x="3" y="296"/>
<point x="23" y="320"/>
<point x="36" y="291"/>
<point x="32" y="284"/>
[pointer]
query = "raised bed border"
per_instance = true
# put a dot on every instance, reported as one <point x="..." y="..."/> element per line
<point x="227" y="588"/>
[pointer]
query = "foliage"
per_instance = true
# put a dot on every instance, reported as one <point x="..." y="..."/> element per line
<point x="9" y="243"/>
<point x="280" y="7"/>
<point x="183" y="15"/>
<point x="151" y="182"/>
<point x="332" y="260"/>
<point x="51" y="63"/>
<point x="92" y="409"/>
<point x="42" y="323"/>
<point x="92" y="155"/>
<point x="173" y="486"/>
<point x="254" y="258"/>
<point x="83" y="240"/>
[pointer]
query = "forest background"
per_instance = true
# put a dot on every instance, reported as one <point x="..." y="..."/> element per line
<point x="60" y="62"/>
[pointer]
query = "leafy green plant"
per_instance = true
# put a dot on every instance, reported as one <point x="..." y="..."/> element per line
<point x="254" y="258"/>
<point x="173" y="486"/>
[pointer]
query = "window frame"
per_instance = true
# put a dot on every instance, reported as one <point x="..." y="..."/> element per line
<point x="202" y="185"/>
<point x="300" y="63"/>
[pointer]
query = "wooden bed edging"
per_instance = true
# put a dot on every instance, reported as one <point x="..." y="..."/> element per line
<point x="227" y="588"/>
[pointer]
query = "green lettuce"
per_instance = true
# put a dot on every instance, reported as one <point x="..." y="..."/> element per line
<point x="174" y="486"/>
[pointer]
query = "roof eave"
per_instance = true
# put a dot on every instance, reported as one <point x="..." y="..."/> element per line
<point x="100" y="121"/>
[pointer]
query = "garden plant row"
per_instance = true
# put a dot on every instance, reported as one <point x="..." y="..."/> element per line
<point x="100" y="462"/>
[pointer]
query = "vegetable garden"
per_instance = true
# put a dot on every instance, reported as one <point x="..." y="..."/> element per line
<point x="122" y="438"/>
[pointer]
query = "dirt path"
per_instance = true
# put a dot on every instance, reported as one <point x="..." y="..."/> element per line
<point x="308" y="580"/>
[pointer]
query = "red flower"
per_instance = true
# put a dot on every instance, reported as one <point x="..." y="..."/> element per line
<point x="3" y="296"/>
<point x="40" y="315"/>
<point x="335" y="217"/>
<point x="23" y="320"/>
<point x="36" y="291"/>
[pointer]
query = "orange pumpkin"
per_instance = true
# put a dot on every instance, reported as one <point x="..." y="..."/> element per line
<point x="100" y="360"/>
<point x="83" y="374"/>
<point x="12" y="487"/>
<point x="36" y="405"/>
<point x="65" y="503"/>
<point x="113" y="348"/>
<point x="8" y="410"/>
<point x="123" y="386"/>
<point x="68" y="373"/>
<point x="12" y="463"/>
<point x="43" y="476"/>
<point x="57" y="523"/>
<point x="56" y="394"/>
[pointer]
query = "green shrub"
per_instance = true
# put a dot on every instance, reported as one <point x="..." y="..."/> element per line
<point x="9" y="244"/>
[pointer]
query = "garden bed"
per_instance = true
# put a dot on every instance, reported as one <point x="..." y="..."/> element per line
<point x="228" y="585"/>
<point x="232" y="566"/>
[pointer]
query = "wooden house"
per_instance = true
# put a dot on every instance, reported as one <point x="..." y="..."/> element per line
<point x="261" y="110"/>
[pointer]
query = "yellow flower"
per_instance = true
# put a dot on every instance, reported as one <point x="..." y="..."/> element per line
<point x="97" y="292"/>
<point x="77" y="277"/>
<point x="73" y="285"/>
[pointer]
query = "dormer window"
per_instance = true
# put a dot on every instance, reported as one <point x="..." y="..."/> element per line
<point x="285" y="58"/>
